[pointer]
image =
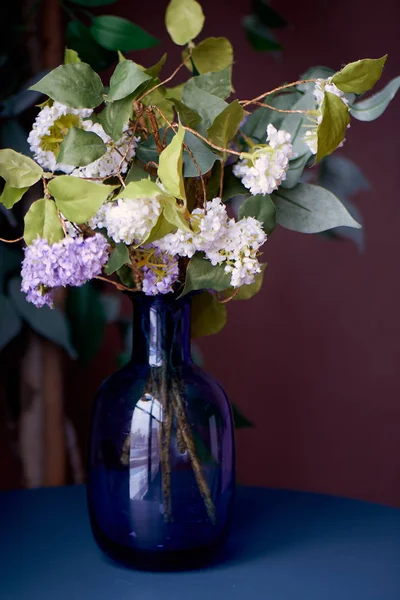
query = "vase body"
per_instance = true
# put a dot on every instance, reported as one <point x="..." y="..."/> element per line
<point x="161" y="460"/>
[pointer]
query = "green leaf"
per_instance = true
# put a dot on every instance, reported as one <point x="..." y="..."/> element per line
<point x="71" y="57"/>
<point x="118" y="257"/>
<point x="202" y="154"/>
<point x="10" y="323"/>
<point x="93" y="3"/>
<point x="374" y="106"/>
<point x="143" y="188"/>
<point x="202" y="275"/>
<point x="207" y="105"/>
<point x="310" y="209"/>
<point x="226" y="124"/>
<point x="11" y="195"/>
<point x="248" y="291"/>
<point x="77" y="199"/>
<point x="47" y="322"/>
<point x="42" y="220"/>
<point x="256" y="124"/>
<point x="87" y="320"/>
<point x="260" y="37"/>
<point x="79" y="38"/>
<point x="187" y="116"/>
<point x="80" y="148"/>
<point x="146" y="151"/>
<point x="267" y="15"/>
<point x="136" y="173"/>
<point x="126" y="277"/>
<point x="296" y="123"/>
<point x="170" y="166"/>
<point x="219" y="83"/>
<point x="233" y="186"/>
<point x="175" y="91"/>
<point x="75" y="85"/>
<point x="360" y="76"/>
<point x="160" y="229"/>
<point x="174" y="214"/>
<point x="208" y="316"/>
<point x="239" y="420"/>
<point x="318" y="72"/>
<point x="184" y="20"/>
<point x="116" y="33"/>
<point x="295" y="170"/>
<point x="114" y="118"/>
<point x="154" y="71"/>
<point x="344" y="178"/>
<point x="262" y="208"/>
<point x="126" y="79"/>
<point x="213" y="54"/>
<point x="19" y="171"/>
<point x="158" y="98"/>
<point x="332" y="129"/>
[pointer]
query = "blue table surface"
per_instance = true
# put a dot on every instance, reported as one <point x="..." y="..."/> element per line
<point x="284" y="545"/>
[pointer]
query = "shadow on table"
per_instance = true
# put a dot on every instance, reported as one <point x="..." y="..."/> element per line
<point x="272" y="521"/>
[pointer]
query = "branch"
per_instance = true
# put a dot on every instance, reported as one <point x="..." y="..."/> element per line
<point x="168" y="78"/>
<point x="278" y="89"/>
<point x="280" y="110"/>
<point x="119" y="286"/>
<point x="12" y="241"/>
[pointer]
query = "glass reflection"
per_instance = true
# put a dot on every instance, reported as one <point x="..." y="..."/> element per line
<point x="144" y="457"/>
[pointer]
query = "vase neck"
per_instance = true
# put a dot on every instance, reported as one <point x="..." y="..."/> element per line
<point x="161" y="330"/>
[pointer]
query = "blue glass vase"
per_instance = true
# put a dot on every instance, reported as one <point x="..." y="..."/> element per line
<point x="161" y="471"/>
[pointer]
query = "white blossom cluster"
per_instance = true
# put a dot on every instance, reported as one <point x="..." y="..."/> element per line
<point x="110" y="161"/>
<point x="51" y="126"/>
<point x="264" y="170"/>
<point x="46" y="120"/>
<point x="322" y="86"/>
<point x="223" y="241"/>
<point x="127" y="220"/>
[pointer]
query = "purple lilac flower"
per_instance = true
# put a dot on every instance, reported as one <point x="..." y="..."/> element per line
<point x="73" y="261"/>
<point x="160" y="279"/>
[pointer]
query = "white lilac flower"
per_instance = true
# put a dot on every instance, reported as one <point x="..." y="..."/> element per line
<point x="159" y="274"/>
<point x="322" y="86"/>
<point x="325" y="85"/>
<point x="223" y="241"/>
<point x="207" y="228"/>
<point x="243" y="240"/>
<point x="264" y="169"/>
<point x="110" y="161"/>
<point x="73" y="261"/>
<point x="181" y="242"/>
<point x="52" y="125"/>
<point x="49" y="129"/>
<point x="128" y="220"/>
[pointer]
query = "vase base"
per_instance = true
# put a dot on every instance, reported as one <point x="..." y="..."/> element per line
<point x="148" y="560"/>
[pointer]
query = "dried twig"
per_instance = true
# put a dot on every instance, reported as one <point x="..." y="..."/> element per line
<point x="281" y="110"/>
<point x="191" y="448"/>
<point x="168" y="78"/>
<point x="275" y="90"/>
<point x="12" y="241"/>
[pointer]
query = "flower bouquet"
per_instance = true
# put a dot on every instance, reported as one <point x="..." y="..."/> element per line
<point x="137" y="183"/>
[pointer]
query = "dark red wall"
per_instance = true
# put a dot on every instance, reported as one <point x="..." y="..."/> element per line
<point x="314" y="359"/>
